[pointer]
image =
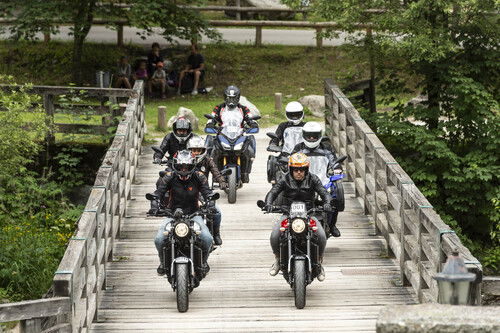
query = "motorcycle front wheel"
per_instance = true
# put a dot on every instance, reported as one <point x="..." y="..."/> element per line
<point x="232" y="185"/>
<point x="299" y="283"/>
<point x="182" y="279"/>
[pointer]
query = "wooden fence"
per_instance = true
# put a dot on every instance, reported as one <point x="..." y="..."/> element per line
<point x="415" y="234"/>
<point x="81" y="275"/>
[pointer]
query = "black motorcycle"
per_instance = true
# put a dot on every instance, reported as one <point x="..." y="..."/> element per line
<point x="299" y="248"/>
<point x="182" y="251"/>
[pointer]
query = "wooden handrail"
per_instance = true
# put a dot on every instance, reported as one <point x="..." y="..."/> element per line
<point x="415" y="234"/>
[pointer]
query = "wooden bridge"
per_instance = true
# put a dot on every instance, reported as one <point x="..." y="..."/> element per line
<point x="392" y="242"/>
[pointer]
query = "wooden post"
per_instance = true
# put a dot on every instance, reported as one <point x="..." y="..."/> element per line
<point x="238" y="13"/>
<point x="369" y="42"/>
<point x="46" y="37"/>
<point x="119" y="36"/>
<point x="258" y="36"/>
<point x="319" y="39"/>
<point x="162" y="117"/>
<point x="48" y="104"/>
<point x="278" y="101"/>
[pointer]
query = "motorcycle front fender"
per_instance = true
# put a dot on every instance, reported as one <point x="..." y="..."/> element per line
<point x="182" y="260"/>
<point x="297" y="257"/>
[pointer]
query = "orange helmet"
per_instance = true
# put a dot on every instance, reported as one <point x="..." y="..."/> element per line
<point x="298" y="160"/>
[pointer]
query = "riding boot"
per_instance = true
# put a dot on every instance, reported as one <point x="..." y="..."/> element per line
<point x="275" y="268"/>
<point x="217" y="238"/>
<point x="154" y="207"/>
<point x="205" y="266"/>
<point x="332" y="223"/>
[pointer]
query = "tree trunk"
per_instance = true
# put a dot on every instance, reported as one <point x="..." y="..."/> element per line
<point x="433" y="88"/>
<point x="84" y="15"/>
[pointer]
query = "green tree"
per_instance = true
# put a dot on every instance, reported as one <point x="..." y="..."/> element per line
<point x="35" y="16"/>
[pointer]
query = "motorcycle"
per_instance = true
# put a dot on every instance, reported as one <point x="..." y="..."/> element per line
<point x="230" y="143"/>
<point x="182" y="251"/>
<point x="299" y="248"/>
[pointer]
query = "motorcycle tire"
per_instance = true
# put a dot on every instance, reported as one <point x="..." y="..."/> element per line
<point x="299" y="283"/>
<point x="339" y="200"/>
<point x="232" y="186"/>
<point x="182" y="280"/>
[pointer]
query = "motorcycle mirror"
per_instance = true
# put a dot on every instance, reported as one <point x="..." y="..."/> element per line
<point x="253" y="130"/>
<point x="274" y="149"/>
<point x="215" y="196"/>
<point x="272" y="135"/>
<point x="209" y="116"/>
<point x="255" y="117"/>
<point x="151" y="196"/>
<point x="261" y="204"/>
<point x="210" y="130"/>
<point x="340" y="159"/>
<point x="157" y="150"/>
<point x="226" y="172"/>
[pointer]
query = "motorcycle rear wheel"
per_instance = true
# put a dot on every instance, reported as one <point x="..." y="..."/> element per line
<point x="232" y="186"/>
<point x="299" y="283"/>
<point x="182" y="280"/>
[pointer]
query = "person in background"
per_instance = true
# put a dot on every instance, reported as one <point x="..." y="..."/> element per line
<point x="123" y="74"/>
<point x="196" y="67"/>
<point x="141" y="73"/>
<point x="153" y="58"/>
<point x="158" y="79"/>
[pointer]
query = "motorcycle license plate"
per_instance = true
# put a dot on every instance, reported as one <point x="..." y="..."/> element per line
<point x="296" y="208"/>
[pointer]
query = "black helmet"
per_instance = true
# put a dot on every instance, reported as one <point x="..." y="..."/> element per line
<point x="232" y="96"/>
<point x="182" y="124"/>
<point x="184" y="164"/>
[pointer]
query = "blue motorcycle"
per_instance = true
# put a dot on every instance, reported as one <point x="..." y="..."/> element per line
<point x="229" y="147"/>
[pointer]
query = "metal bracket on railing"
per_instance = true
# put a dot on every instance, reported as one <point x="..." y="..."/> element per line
<point x="90" y="210"/>
<point x="391" y="162"/>
<point x="63" y="272"/>
<point x="425" y="206"/>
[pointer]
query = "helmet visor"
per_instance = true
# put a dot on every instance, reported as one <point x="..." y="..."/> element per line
<point x="295" y="115"/>
<point x="232" y="100"/>
<point x="311" y="136"/>
<point x="183" y="169"/>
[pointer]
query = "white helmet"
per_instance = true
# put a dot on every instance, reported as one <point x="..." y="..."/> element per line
<point x="196" y="142"/>
<point x="294" y="112"/>
<point x="311" y="134"/>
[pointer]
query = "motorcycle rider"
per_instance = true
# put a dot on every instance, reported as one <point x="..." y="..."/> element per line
<point x="312" y="145"/>
<point x="231" y="104"/>
<point x="294" y="112"/>
<point x="180" y="188"/>
<point x="205" y="164"/>
<point x="176" y="140"/>
<point x="298" y="185"/>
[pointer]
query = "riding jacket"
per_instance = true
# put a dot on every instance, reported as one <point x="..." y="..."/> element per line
<point x="183" y="194"/>
<point x="294" y="190"/>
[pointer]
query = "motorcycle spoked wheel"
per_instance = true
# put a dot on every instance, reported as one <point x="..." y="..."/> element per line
<point x="232" y="185"/>
<point x="182" y="290"/>
<point x="299" y="283"/>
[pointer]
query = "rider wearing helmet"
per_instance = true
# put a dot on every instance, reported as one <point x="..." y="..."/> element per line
<point x="232" y="104"/>
<point x="294" y="112"/>
<point x="206" y="164"/>
<point x="180" y="188"/>
<point x="312" y="145"/>
<point x="176" y="140"/>
<point x="298" y="185"/>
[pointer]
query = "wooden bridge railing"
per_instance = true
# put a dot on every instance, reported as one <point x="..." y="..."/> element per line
<point x="81" y="275"/>
<point x="415" y="234"/>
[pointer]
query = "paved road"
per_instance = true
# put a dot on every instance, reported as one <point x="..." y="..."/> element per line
<point x="237" y="35"/>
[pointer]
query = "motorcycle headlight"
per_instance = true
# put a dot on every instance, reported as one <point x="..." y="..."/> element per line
<point x="298" y="226"/>
<point x="168" y="228"/>
<point x="181" y="230"/>
<point x="238" y="146"/>
<point x="225" y="145"/>
<point x="197" y="229"/>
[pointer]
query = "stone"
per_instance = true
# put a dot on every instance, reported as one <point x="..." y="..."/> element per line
<point x="438" y="318"/>
<point x="417" y="100"/>
<point x="253" y="109"/>
<point x="186" y="113"/>
<point x="315" y="103"/>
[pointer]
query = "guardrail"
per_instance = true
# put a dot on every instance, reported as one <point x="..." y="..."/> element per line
<point x="81" y="275"/>
<point x="258" y="25"/>
<point x="415" y="234"/>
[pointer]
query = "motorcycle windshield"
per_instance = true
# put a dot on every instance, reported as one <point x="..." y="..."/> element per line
<point x="292" y="136"/>
<point x="319" y="166"/>
<point x="231" y="123"/>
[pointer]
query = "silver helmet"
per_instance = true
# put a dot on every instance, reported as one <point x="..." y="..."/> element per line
<point x="184" y="125"/>
<point x="196" y="144"/>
